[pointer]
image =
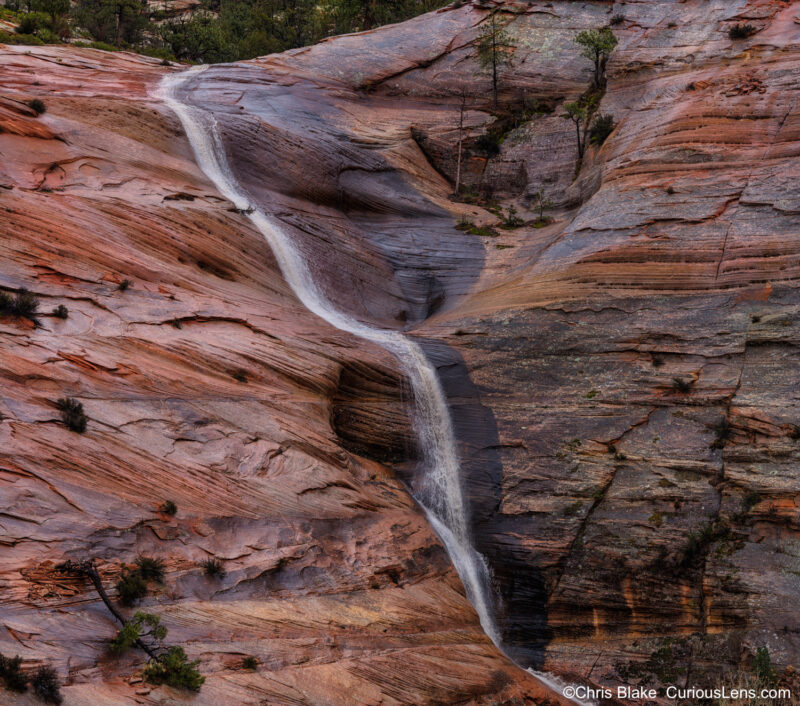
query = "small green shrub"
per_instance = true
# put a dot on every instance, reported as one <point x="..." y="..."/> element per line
<point x="102" y="46"/>
<point x="131" y="588"/>
<point x="240" y="376"/>
<point x="656" y="519"/>
<point x="511" y="220"/>
<point x="722" y="430"/>
<point x="250" y="663"/>
<point x="61" y="312"/>
<point x="602" y="127"/>
<point x="24" y="305"/>
<point x="617" y="19"/>
<point x="125" y="285"/>
<point x="213" y="567"/>
<point x="37" y="106"/>
<point x="763" y="669"/>
<point x="27" y="39"/>
<point x="32" y="22"/>
<point x="174" y="669"/>
<point x="750" y="500"/>
<point x="169" y="508"/>
<point x="45" y="685"/>
<point x="141" y="625"/>
<point x="741" y="31"/>
<point x="150" y="569"/>
<point x="573" y="508"/>
<point x="11" y="674"/>
<point x="72" y="414"/>
<point x="670" y="190"/>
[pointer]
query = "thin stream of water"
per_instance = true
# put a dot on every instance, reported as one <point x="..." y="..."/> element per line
<point x="441" y="494"/>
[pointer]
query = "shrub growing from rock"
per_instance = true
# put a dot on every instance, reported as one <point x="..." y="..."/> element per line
<point x="13" y="677"/>
<point x="169" y="508"/>
<point x="46" y="686"/>
<point x="37" y="106"/>
<point x="72" y="414"/>
<point x="213" y="567"/>
<point x="174" y="669"/>
<point x="250" y="663"/>
<point x="131" y="588"/>
<point x="602" y="127"/>
<point x="741" y="31"/>
<point x="150" y="569"/>
<point x="141" y="625"/>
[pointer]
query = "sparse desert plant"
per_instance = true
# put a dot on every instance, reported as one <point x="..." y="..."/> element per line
<point x="617" y="19"/>
<point x="602" y="127"/>
<point x="72" y="414"/>
<point x="139" y="626"/>
<point x="11" y="674"/>
<point x="131" y="588"/>
<point x="741" y="31"/>
<point x="150" y="569"/>
<point x="24" y="305"/>
<point x="722" y="431"/>
<point x="596" y="44"/>
<point x="37" y="106"/>
<point x="240" y="376"/>
<point x="125" y="285"/>
<point x="174" y="669"/>
<point x="250" y="663"/>
<point x="213" y="567"/>
<point x="46" y="686"/>
<point x="169" y="508"/>
<point x="511" y="220"/>
<point x="61" y="312"/>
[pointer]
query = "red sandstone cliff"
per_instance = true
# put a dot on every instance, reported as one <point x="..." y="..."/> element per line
<point x="673" y="254"/>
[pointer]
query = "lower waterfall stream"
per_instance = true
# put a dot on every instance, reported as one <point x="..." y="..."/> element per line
<point x="441" y="494"/>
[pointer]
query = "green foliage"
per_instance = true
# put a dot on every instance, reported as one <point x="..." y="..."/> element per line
<point x="37" y="106"/>
<point x="113" y="21"/>
<point x="511" y="220"/>
<point x="213" y="567"/>
<point x="139" y="626"/>
<point x="27" y="39"/>
<point x="250" y="663"/>
<point x="72" y="414"/>
<point x="125" y="285"/>
<point x="602" y="127"/>
<point x="741" y="31"/>
<point x="751" y="500"/>
<point x="11" y="674"/>
<point x="24" y="305"/>
<point x="596" y="44"/>
<point x="763" y="670"/>
<point x="617" y="19"/>
<point x="61" y="312"/>
<point x="131" y="588"/>
<point x="46" y="686"/>
<point x="54" y="8"/>
<point x="169" y="508"/>
<point x="541" y="203"/>
<point x="572" y="509"/>
<point x="102" y="46"/>
<point x="174" y="669"/>
<point x="495" y="49"/>
<point x="32" y="22"/>
<point x="697" y="543"/>
<point x="150" y="569"/>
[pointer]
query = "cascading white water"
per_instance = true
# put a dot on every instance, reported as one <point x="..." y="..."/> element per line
<point x="441" y="493"/>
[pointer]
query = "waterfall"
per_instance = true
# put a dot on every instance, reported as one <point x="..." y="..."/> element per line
<point x="440" y="494"/>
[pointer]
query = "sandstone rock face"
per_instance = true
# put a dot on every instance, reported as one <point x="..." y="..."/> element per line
<point x="618" y="509"/>
<point x="208" y="384"/>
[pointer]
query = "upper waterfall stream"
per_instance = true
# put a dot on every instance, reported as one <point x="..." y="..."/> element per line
<point x="441" y="494"/>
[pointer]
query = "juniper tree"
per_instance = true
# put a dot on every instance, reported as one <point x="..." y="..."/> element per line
<point x="596" y="44"/>
<point x="494" y="50"/>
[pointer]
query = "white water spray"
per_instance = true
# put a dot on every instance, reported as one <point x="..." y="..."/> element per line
<point x="441" y="494"/>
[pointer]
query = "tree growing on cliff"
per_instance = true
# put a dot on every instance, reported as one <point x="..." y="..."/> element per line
<point x="580" y="113"/>
<point x="597" y="45"/>
<point x="495" y="48"/>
